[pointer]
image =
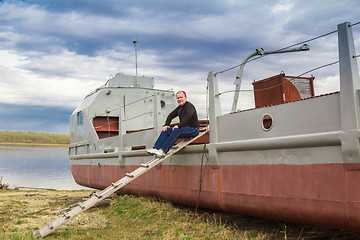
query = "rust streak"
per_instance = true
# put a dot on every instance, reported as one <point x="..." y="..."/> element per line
<point x="219" y="189"/>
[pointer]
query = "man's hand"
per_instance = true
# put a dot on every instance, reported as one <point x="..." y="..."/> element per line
<point x="176" y="126"/>
<point x="164" y="128"/>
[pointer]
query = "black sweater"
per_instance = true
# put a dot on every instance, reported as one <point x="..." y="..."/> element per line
<point x="187" y="115"/>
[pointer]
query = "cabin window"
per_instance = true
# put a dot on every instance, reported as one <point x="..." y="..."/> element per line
<point x="162" y="104"/>
<point x="267" y="122"/>
<point x="79" y="118"/>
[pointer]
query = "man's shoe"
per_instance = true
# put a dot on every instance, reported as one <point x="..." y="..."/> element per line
<point x="151" y="151"/>
<point x="159" y="153"/>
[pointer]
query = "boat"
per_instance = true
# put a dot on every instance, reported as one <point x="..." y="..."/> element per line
<point x="294" y="157"/>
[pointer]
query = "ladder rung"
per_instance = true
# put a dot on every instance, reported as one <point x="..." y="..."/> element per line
<point x="50" y="225"/>
<point x="98" y="195"/>
<point x="144" y="165"/>
<point x="66" y="215"/>
<point x="81" y="205"/>
<point x="129" y="175"/>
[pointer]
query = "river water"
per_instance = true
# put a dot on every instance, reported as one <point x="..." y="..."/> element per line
<point x="40" y="167"/>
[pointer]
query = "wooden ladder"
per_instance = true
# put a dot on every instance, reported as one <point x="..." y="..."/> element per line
<point x="98" y="197"/>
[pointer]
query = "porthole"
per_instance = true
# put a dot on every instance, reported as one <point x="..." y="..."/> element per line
<point x="267" y="122"/>
<point x="162" y="104"/>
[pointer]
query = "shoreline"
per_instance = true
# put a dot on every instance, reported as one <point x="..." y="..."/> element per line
<point x="33" y="144"/>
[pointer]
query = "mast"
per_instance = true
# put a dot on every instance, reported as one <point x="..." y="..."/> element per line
<point x="134" y="42"/>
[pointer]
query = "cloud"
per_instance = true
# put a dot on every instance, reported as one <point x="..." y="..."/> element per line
<point x="58" y="51"/>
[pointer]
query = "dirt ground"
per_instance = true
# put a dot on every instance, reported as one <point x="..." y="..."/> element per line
<point x="24" y="210"/>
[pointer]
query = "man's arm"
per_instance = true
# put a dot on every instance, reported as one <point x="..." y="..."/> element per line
<point x="170" y="117"/>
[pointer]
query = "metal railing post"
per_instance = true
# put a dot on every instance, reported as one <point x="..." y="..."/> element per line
<point x="214" y="113"/>
<point x="349" y="97"/>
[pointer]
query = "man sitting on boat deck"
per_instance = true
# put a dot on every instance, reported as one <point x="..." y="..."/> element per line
<point x="187" y="128"/>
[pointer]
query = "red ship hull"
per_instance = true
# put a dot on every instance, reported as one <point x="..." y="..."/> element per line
<point x="318" y="194"/>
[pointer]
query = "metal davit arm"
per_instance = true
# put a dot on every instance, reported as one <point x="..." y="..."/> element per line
<point x="238" y="79"/>
<point x="261" y="52"/>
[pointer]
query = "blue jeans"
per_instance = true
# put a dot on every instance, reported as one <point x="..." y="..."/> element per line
<point x="168" y="138"/>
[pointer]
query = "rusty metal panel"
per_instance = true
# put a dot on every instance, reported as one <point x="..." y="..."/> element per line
<point x="313" y="194"/>
<point x="268" y="91"/>
<point x="281" y="89"/>
<point x="106" y="126"/>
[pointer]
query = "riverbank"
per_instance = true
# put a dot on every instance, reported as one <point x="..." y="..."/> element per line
<point x="129" y="217"/>
<point x="6" y="144"/>
<point x="29" y="138"/>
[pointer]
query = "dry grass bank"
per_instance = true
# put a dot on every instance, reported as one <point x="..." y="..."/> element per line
<point x="128" y="217"/>
<point x="33" y="138"/>
<point x="32" y="145"/>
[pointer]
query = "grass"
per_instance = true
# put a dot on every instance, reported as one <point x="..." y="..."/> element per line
<point x="33" y="144"/>
<point x="146" y="218"/>
<point x="131" y="217"/>
<point x="29" y="138"/>
<point x="4" y="185"/>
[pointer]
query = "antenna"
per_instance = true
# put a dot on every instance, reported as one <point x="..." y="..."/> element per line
<point x="136" y="65"/>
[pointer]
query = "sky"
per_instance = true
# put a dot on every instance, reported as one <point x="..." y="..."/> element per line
<point x="53" y="53"/>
